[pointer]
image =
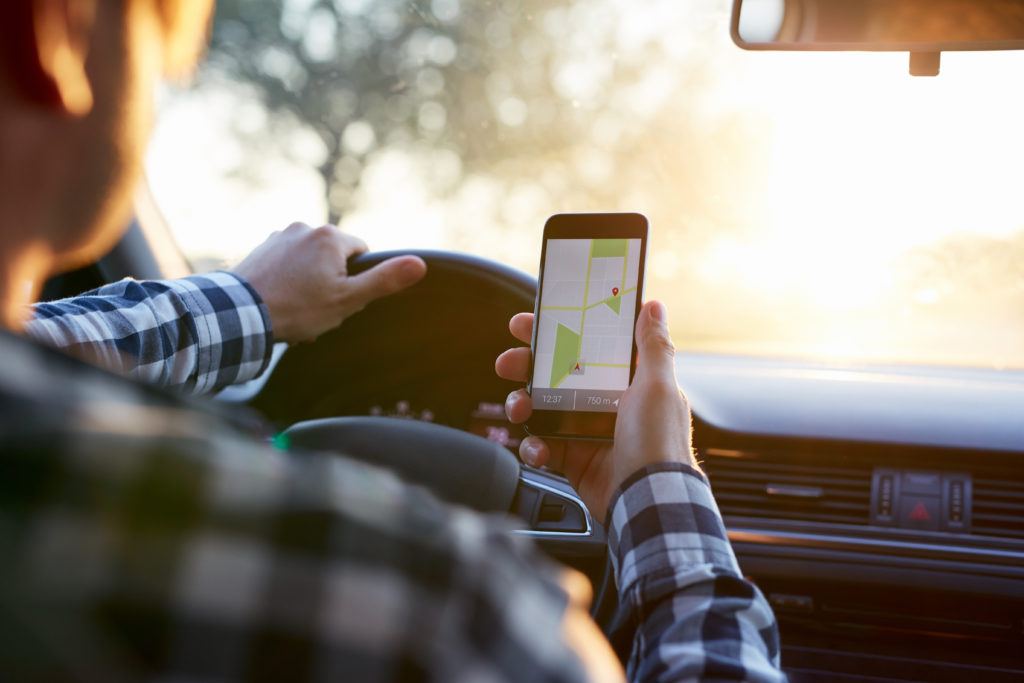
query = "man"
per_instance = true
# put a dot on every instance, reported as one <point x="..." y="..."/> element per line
<point x="144" y="536"/>
<point x="201" y="333"/>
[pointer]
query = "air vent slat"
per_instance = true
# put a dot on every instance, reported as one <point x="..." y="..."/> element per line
<point x="794" y="515"/>
<point x="982" y="518"/>
<point x="1014" y="508"/>
<point x="756" y="485"/>
<point x="1007" y="486"/>
<point x="806" y="480"/>
<point x="1001" y="502"/>
<point x="998" y="508"/>
<point x="758" y="493"/>
<point x="759" y="465"/>
<point x="729" y="497"/>
<point x="726" y="483"/>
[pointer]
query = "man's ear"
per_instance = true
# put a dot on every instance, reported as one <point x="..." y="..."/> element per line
<point x="45" y="44"/>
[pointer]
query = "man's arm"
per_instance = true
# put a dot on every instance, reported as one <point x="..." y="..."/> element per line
<point x="695" y="615"/>
<point x="197" y="334"/>
<point x="203" y="333"/>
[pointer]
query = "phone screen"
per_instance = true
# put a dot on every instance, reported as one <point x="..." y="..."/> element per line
<point x="583" y="349"/>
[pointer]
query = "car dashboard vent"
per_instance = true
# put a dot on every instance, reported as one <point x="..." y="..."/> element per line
<point x="998" y="506"/>
<point x="786" y="487"/>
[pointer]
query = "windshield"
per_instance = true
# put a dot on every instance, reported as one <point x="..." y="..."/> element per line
<point x="801" y="204"/>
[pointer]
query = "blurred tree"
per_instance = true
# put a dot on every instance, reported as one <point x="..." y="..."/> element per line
<point x="535" y="89"/>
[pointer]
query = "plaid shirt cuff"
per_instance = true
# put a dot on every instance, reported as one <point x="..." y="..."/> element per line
<point x="664" y="516"/>
<point x="197" y="334"/>
<point x="233" y="329"/>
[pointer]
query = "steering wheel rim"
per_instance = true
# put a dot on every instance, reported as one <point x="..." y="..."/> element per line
<point x="475" y="472"/>
<point x="449" y="264"/>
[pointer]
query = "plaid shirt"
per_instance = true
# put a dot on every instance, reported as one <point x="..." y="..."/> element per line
<point x="197" y="334"/>
<point x="144" y="536"/>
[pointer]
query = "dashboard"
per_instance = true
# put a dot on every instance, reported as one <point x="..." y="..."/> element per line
<point x="879" y="508"/>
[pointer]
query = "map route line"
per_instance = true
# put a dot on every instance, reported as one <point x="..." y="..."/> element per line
<point x="581" y="308"/>
<point x="605" y="301"/>
<point x="625" y="262"/>
<point x="586" y="293"/>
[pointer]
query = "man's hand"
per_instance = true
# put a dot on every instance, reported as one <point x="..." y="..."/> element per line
<point x="653" y="424"/>
<point x="302" y="276"/>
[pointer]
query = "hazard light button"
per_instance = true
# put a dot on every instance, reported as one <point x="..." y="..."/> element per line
<point x="919" y="512"/>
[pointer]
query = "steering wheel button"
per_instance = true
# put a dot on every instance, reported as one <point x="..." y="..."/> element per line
<point x="556" y="513"/>
<point x="551" y="513"/>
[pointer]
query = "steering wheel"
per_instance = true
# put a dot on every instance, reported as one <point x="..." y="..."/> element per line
<point x="438" y="338"/>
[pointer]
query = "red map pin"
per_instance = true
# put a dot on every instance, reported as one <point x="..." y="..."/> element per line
<point x="615" y="291"/>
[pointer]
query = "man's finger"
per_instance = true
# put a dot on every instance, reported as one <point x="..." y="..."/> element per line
<point x="534" y="451"/>
<point x="521" y="327"/>
<point x="514" y="364"/>
<point x="518" y="406"/>
<point x="653" y="341"/>
<point x="385" y="278"/>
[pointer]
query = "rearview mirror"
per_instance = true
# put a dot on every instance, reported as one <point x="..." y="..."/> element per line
<point x="921" y="27"/>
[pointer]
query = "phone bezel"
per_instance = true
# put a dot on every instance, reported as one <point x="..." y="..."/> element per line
<point x="573" y="423"/>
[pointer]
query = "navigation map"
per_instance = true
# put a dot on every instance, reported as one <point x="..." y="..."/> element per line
<point x="585" y="326"/>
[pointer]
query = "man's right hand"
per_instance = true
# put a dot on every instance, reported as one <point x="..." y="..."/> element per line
<point x="301" y="275"/>
<point x="653" y="423"/>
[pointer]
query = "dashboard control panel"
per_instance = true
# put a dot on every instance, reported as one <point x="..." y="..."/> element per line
<point x="923" y="500"/>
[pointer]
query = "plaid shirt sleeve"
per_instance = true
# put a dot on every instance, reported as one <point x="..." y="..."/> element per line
<point x="197" y="334"/>
<point x="696" y="616"/>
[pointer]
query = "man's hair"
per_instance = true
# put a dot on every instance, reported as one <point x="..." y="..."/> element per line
<point x="185" y="26"/>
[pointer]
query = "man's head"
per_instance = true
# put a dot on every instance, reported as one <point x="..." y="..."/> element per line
<point x="77" y="80"/>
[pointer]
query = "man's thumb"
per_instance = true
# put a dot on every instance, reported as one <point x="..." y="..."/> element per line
<point x="653" y="342"/>
<point x="388" y="277"/>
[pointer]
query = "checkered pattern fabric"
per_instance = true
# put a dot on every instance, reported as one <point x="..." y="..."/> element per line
<point x="197" y="334"/>
<point x="144" y="536"/>
<point x="696" y="617"/>
<point x="145" y="539"/>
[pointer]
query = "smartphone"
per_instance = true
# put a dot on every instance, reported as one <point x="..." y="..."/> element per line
<point x="583" y="351"/>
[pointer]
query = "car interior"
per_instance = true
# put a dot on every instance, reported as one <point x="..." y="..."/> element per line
<point x="878" y="505"/>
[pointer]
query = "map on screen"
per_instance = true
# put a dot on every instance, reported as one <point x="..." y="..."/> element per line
<point x="585" y="323"/>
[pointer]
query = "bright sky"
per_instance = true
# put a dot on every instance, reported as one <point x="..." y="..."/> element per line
<point x="868" y="161"/>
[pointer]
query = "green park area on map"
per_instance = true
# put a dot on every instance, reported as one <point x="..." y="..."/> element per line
<point x="567" y="345"/>
<point x="609" y="248"/>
